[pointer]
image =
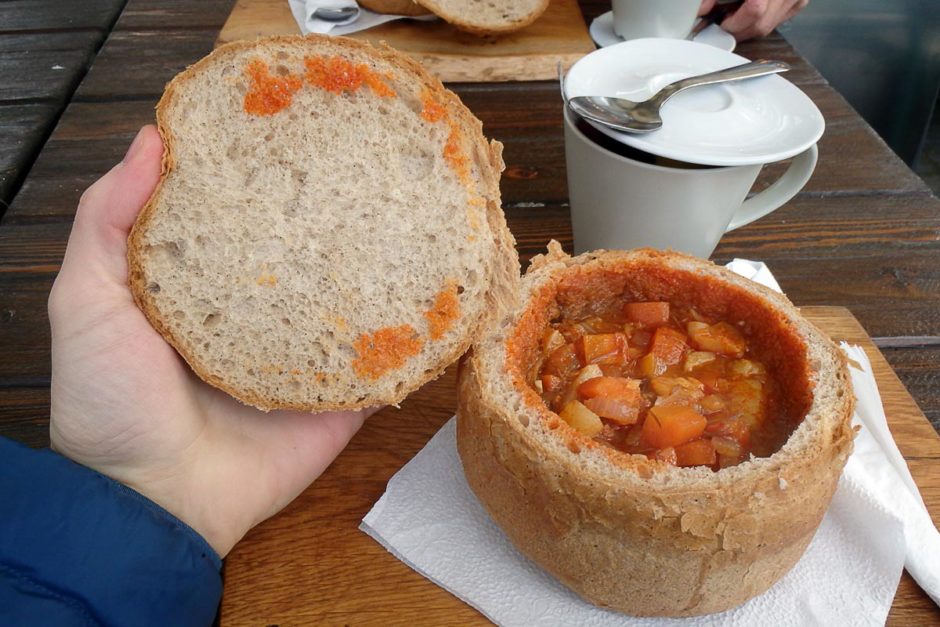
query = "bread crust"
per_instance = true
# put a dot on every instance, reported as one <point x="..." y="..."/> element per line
<point x="504" y="259"/>
<point x="634" y="534"/>
<point x="395" y="7"/>
<point x="479" y="28"/>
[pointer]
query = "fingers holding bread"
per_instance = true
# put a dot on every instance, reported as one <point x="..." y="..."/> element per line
<point x="327" y="233"/>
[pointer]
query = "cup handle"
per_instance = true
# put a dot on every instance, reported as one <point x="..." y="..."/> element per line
<point x="786" y="187"/>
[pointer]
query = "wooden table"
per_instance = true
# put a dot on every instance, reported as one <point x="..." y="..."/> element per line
<point x="864" y="234"/>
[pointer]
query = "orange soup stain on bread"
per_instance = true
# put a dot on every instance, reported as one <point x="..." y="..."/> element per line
<point x="386" y="349"/>
<point x="458" y="161"/>
<point x="269" y="94"/>
<point x="432" y="110"/>
<point x="445" y="311"/>
<point x="337" y="75"/>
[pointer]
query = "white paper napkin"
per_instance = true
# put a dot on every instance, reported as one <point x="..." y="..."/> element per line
<point x="877" y="523"/>
<point x="303" y="13"/>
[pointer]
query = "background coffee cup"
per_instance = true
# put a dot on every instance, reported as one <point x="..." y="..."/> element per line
<point x="634" y="19"/>
<point x="621" y="198"/>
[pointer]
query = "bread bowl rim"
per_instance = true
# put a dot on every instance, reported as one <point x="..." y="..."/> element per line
<point x="635" y="471"/>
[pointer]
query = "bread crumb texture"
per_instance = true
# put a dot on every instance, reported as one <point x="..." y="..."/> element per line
<point x="325" y="208"/>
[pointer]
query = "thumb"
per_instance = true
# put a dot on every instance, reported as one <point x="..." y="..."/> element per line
<point x="98" y="242"/>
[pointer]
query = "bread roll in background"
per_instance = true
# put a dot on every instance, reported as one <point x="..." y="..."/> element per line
<point x="327" y="233"/>
<point x="487" y="17"/>
<point x="394" y="7"/>
<point x="632" y="533"/>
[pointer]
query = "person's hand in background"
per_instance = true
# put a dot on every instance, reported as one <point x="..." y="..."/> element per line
<point x="754" y="18"/>
<point x="125" y="404"/>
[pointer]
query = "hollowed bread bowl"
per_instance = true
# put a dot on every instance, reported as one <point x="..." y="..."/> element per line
<point x="628" y="532"/>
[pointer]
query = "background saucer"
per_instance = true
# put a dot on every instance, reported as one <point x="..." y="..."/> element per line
<point x="602" y="32"/>
<point x="760" y="120"/>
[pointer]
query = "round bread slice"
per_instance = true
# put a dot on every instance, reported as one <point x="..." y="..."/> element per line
<point x="327" y="233"/>
<point x="394" y="7"/>
<point x="632" y="533"/>
<point x="487" y="17"/>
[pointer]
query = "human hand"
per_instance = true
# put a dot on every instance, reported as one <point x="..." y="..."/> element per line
<point x="755" y="18"/>
<point x="125" y="404"/>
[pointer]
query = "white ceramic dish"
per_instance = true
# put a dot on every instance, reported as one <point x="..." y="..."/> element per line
<point x="760" y="120"/>
<point x="602" y="32"/>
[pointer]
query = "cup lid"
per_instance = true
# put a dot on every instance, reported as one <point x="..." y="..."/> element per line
<point x="759" y="120"/>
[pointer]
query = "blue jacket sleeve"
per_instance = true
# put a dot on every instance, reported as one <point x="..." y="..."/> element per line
<point x="77" y="548"/>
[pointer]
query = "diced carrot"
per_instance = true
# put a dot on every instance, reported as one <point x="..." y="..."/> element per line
<point x="616" y="398"/>
<point x="604" y="348"/>
<point x="650" y="314"/>
<point x="611" y="387"/>
<point x="666" y="349"/>
<point x="671" y="425"/>
<point x="695" y="453"/>
<point x="668" y="345"/>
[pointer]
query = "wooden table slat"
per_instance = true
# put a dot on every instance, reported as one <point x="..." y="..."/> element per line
<point x="172" y="14"/>
<point x="36" y="15"/>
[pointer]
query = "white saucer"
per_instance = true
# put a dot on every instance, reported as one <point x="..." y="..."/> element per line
<point x="602" y="32"/>
<point x="760" y="120"/>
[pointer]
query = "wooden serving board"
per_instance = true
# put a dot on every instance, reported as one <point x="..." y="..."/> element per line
<point x="310" y="564"/>
<point x="533" y="53"/>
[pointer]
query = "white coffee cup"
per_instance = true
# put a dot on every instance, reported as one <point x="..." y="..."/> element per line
<point x="619" y="202"/>
<point x="634" y="19"/>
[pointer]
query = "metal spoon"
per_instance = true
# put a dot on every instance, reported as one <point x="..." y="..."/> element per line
<point x="342" y="14"/>
<point x="643" y="117"/>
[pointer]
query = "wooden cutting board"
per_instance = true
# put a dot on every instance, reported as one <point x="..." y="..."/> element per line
<point x="533" y="53"/>
<point x="310" y="564"/>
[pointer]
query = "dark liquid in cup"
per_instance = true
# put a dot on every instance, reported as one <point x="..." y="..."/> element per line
<point x="618" y="148"/>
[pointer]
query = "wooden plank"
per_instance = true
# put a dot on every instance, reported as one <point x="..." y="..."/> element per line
<point x="174" y="14"/>
<point x="49" y="75"/>
<point x="23" y="129"/>
<point x="25" y="415"/>
<point x="311" y="565"/>
<point x="138" y="64"/>
<point x="24" y="329"/>
<point x="89" y="139"/>
<point x="917" y="368"/>
<point x="558" y="36"/>
<point x="20" y="15"/>
<point x="80" y="40"/>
